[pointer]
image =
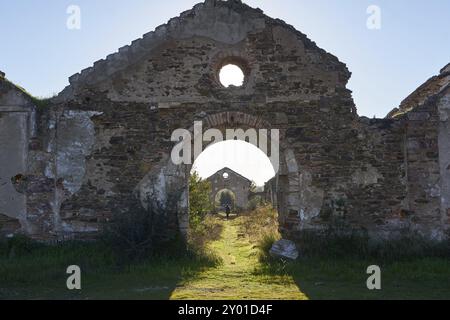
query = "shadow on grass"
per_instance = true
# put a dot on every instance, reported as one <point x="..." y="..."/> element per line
<point x="322" y="278"/>
<point x="33" y="271"/>
<point x="335" y="267"/>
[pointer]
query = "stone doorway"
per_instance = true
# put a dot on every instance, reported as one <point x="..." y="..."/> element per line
<point x="285" y="190"/>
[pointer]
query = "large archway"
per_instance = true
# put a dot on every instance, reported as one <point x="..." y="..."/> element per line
<point x="288" y="196"/>
<point x="223" y="198"/>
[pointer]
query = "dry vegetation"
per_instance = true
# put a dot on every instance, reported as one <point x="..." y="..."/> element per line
<point x="200" y="235"/>
<point x="261" y="227"/>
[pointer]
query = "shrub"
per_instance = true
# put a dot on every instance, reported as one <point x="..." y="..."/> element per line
<point x="199" y="200"/>
<point x="265" y="244"/>
<point x="261" y="226"/>
<point x="17" y="246"/>
<point x="205" y="232"/>
<point x="339" y="242"/>
<point x="255" y="203"/>
<point x="139" y="232"/>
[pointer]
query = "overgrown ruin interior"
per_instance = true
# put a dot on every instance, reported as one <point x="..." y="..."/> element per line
<point x="105" y="141"/>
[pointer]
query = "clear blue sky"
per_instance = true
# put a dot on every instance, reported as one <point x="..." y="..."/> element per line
<point x="39" y="53"/>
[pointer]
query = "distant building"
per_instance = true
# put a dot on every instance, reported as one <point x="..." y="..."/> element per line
<point x="228" y="180"/>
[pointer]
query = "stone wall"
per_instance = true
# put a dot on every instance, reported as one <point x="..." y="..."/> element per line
<point x="424" y="118"/>
<point x="105" y="141"/>
<point x="234" y="182"/>
<point x="17" y="118"/>
<point x="443" y="105"/>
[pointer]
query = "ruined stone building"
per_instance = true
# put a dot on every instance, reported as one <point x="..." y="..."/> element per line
<point x="105" y="140"/>
<point x="229" y="180"/>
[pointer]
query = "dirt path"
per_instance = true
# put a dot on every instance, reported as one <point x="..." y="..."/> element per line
<point x="235" y="278"/>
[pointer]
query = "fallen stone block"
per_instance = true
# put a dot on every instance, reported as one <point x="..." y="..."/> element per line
<point x="284" y="249"/>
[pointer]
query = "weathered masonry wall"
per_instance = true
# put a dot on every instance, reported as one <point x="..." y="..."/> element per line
<point x="16" y="127"/>
<point x="104" y="143"/>
<point x="444" y="154"/>
<point x="424" y="115"/>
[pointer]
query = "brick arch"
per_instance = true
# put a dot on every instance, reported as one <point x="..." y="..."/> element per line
<point x="235" y="118"/>
<point x="231" y="190"/>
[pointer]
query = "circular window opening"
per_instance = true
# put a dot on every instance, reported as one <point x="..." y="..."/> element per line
<point x="225" y="175"/>
<point x="231" y="75"/>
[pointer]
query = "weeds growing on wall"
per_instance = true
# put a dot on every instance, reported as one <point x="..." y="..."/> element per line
<point x="40" y="103"/>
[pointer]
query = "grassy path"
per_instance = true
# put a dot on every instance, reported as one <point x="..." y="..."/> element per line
<point x="40" y="272"/>
<point x="235" y="277"/>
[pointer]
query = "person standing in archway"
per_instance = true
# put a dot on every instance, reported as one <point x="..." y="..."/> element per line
<point x="228" y="211"/>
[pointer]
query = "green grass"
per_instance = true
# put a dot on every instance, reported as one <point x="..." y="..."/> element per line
<point x="39" y="102"/>
<point x="41" y="273"/>
<point x="320" y="278"/>
<point x="236" y="277"/>
<point x="236" y="267"/>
